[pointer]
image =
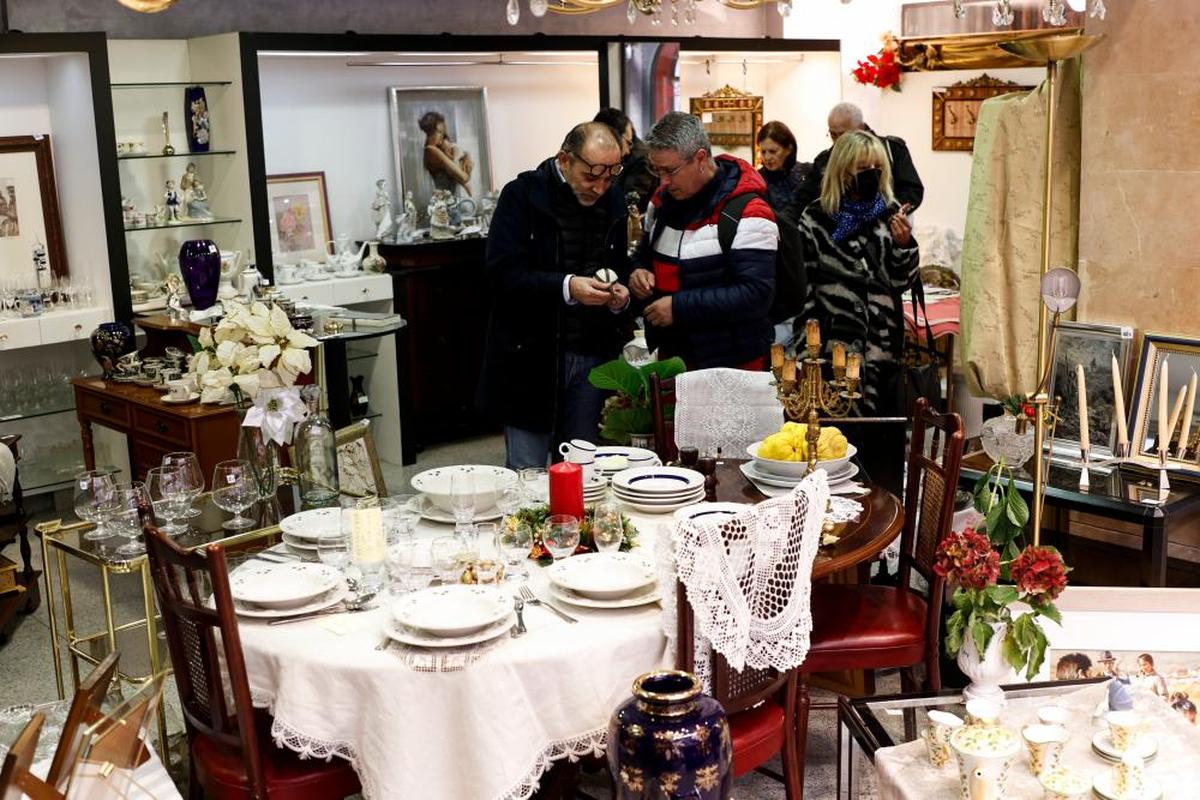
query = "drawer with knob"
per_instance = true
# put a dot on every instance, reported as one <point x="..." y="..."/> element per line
<point x="107" y="408"/>
<point x="161" y="426"/>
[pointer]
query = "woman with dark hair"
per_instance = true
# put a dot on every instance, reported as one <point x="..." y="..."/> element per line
<point x="448" y="164"/>
<point x="777" y="151"/>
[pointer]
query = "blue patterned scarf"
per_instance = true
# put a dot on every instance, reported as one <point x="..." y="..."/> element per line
<point x="854" y="214"/>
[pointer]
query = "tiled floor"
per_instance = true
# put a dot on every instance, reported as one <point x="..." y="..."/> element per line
<point x="26" y="673"/>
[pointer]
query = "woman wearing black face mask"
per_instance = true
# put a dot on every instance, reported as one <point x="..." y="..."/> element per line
<point x="859" y="257"/>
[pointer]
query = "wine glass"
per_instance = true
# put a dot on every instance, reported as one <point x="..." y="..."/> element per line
<point x="536" y="483"/>
<point x="462" y="497"/>
<point x="561" y="535"/>
<point x="400" y="515"/>
<point x="509" y="496"/>
<point x="94" y="500"/>
<point x="127" y="518"/>
<point x="516" y="542"/>
<point x="333" y="550"/>
<point x="234" y="490"/>
<point x="169" y="494"/>
<point x="408" y="566"/>
<point x="445" y="555"/>
<point x="193" y="474"/>
<point x="607" y="528"/>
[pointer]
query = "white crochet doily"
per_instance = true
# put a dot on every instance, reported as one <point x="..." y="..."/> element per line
<point x="725" y="409"/>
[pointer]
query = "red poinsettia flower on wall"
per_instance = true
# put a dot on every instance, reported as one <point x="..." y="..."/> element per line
<point x="880" y="69"/>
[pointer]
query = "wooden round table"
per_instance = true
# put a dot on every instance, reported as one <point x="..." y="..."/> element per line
<point x="858" y="542"/>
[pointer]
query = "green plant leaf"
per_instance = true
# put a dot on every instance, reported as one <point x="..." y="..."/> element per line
<point x="955" y="624"/>
<point x="620" y="422"/>
<point x="195" y="343"/>
<point x="1002" y="595"/>
<point x="618" y="376"/>
<point x="1018" y="511"/>
<point x="668" y="368"/>
<point x="1051" y="611"/>
<point x="1037" y="653"/>
<point x="996" y="524"/>
<point x="980" y="493"/>
<point x="982" y="633"/>
<point x="1012" y="652"/>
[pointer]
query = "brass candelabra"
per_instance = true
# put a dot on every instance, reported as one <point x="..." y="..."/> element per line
<point x="805" y="397"/>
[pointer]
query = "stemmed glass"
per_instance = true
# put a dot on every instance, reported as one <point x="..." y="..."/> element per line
<point x="408" y="566"/>
<point x="445" y="555"/>
<point x="193" y="476"/>
<point x="561" y="535"/>
<point x="516" y="541"/>
<point x="462" y="498"/>
<point x="234" y="490"/>
<point x="489" y="559"/>
<point x="509" y="496"/>
<point x="536" y="483"/>
<point x="169" y="494"/>
<point x="400" y="515"/>
<point x="127" y="518"/>
<point x="95" y="499"/>
<point x="607" y="529"/>
<point x="333" y="550"/>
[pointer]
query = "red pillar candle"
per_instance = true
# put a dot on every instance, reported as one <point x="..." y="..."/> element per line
<point x="566" y="489"/>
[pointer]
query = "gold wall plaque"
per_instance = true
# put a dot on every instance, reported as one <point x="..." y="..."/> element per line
<point x="956" y="110"/>
<point x="731" y="117"/>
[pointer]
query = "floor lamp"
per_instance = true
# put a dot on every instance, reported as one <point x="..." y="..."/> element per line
<point x="1049" y="51"/>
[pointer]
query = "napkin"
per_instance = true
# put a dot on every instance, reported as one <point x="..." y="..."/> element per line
<point x="349" y="622"/>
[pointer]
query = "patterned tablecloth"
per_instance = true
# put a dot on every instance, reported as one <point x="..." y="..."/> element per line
<point x="905" y="772"/>
<point x="943" y="313"/>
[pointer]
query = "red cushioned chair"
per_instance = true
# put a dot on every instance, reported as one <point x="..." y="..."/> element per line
<point x="859" y="626"/>
<point x="231" y="752"/>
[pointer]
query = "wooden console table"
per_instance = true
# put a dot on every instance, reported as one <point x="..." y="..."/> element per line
<point x="153" y="427"/>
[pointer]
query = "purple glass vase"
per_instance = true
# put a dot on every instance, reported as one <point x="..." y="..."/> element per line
<point x="200" y="264"/>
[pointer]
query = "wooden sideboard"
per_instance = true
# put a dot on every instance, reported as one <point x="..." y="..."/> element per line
<point x="153" y="427"/>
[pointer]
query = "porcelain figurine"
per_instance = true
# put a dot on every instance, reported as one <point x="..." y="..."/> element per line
<point x="381" y="211"/>
<point x="171" y="202"/>
<point x="195" y="111"/>
<point x="410" y="209"/>
<point x="129" y="212"/>
<point x="41" y="264"/>
<point x="439" y="215"/>
<point x="173" y="286"/>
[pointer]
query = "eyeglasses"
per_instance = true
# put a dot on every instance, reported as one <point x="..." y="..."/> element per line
<point x="660" y="173"/>
<point x="598" y="171"/>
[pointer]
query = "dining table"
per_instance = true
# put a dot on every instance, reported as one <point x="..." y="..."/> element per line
<point x="492" y="722"/>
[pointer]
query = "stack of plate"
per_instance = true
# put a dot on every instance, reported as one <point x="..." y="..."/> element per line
<point x="839" y="478"/>
<point x="658" y="490"/>
<point x="451" y="616"/>
<point x="593" y="491"/>
<point x="604" y="580"/>
<point x="611" y="459"/>
<point x="710" y="512"/>
<point x="1145" y="746"/>
<point x="267" y="590"/>
<point x="302" y="530"/>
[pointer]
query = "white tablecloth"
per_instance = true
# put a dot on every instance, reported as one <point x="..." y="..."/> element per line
<point x="488" y="731"/>
<point x="905" y="772"/>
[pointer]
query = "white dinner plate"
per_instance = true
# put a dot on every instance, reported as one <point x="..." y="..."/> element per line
<point x="647" y="595"/>
<point x="305" y="545"/>
<point x="419" y="638"/>
<point x="1105" y="786"/>
<point x="312" y="524"/>
<point x="654" y="500"/>
<point x="434" y="514"/>
<point x="328" y="600"/>
<point x="710" y="511"/>
<point x="453" y="610"/>
<point x="750" y="471"/>
<point x="602" y="576"/>
<point x="179" y="401"/>
<point x="657" y="480"/>
<point x="281" y="586"/>
<point x="662" y="509"/>
<point x="1102" y="743"/>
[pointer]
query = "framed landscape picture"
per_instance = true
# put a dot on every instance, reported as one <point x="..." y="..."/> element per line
<point x="30" y="227"/>
<point x="1092" y="347"/>
<point x="440" y="141"/>
<point x="299" y="216"/>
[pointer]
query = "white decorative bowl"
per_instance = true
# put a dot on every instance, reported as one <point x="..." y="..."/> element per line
<point x="453" y="610"/>
<point x="282" y="585"/>
<point x="435" y="484"/>
<point x="796" y="469"/>
<point x="602" y="576"/>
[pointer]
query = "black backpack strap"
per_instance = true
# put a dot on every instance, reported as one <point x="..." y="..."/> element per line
<point x="731" y="215"/>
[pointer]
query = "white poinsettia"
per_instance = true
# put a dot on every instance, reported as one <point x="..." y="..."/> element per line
<point x="268" y="353"/>
<point x="214" y="385"/>
<point x="276" y="412"/>
<point x="293" y="363"/>
<point x="206" y="338"/>
<point x="228" y="352"/>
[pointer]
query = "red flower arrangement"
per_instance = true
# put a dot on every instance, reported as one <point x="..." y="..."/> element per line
<point x="1039" y="572"/>
<point x="967" y="559"/>
<point x="880" y="69"/>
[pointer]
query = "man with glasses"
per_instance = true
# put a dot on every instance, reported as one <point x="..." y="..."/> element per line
<point x="906" y="183"/>
<point x="704" y="286"/>
<point x="556" y="262"/>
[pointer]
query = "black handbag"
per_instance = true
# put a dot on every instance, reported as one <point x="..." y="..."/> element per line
<point x="918" y="370"/>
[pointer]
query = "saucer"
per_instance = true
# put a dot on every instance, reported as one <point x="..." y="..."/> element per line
<point x="171" y="401"/>
<point x="1102" y="744"/>
<point x="1104" y="786"/>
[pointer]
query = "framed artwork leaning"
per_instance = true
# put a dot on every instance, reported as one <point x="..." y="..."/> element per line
<point x="299" y="217"/>
<point x="1093" y="347"/>
<point x="359" y="472"/>
<point x="440" y="141"/>
<point x="956" y="110"/>
<point x="31" y="237"/>
<point x="1166" y="408"/>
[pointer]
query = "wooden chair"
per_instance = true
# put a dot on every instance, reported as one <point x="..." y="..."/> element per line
<point x="662" y="409"/>
<point x="859" y="626"/>
<point x="16" y="781"/>
<point x="231" y="752"/>
<point x="85" y="709"/>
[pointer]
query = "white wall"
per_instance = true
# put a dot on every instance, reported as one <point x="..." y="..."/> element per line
<point x="319" y="114"/>
<point x="796" y="89"/>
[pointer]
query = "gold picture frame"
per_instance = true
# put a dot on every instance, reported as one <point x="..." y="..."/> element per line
<point x="731" y="117"/>
<point x="359" y="472"/>
<point x="1183" y="355"/>
<point x="956" y="110"/>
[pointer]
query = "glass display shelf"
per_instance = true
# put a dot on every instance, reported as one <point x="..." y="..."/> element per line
<point x="146" y="156"/>
<point x="60" y="407"/>
<point x="49" y="474"/>
<point x="167" y="84"/>
<point x="189" y="224"/>
<point x="358" y="354"/>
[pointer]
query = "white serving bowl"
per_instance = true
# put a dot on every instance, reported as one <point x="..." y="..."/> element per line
<point x="452" y="610"/>
<point x="435" y="484"/>
<point x="796" y="469"/>
<point x="602" y="576"/>
<point x="280" y="586"/>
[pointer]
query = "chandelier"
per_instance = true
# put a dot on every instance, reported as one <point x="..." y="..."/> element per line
<point x="1054" y="12"/>
<point x="656" y="10"/>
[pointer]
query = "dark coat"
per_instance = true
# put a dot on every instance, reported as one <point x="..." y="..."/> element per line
<point x="522" y="381"/>
<point x="906" y="183"/>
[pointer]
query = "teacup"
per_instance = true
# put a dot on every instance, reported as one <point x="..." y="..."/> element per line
<point x="168" y="374"/>
<point x="179" y="389"/>
<point x="286" y="273"/>
<point x="984" y="753"/>
<point x="1062" y="783"/>
<point x="942" y="725"/>
<point x="1129" y="777"/>
<point x="1045" y="744"/>
<point x="1053" y="715"/>
<point x="583" y="453"/>
<point x="982" y="712"/>
<point x="1124" y="727"/>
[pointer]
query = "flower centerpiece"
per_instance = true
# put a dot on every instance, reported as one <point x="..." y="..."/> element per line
<point x="627" y="415"/>
<point x="535" y="517"/>
<point x="254" y="357"/>
<point x="881" y="69"/>
<point x="991" y="573"/>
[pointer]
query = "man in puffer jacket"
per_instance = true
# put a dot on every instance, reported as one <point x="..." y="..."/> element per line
<point x="706" y="303"/>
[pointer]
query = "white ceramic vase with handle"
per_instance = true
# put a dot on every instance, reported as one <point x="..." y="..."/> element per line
<point x="985" y="754"/>
<point x="988" y="672"/>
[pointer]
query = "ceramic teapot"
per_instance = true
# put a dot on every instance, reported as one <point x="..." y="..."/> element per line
<point x="342" y="256"/>
<point x="231" y="275"/>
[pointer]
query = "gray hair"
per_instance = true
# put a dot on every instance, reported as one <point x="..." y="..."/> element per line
<point x="683" y="133"/>
<point x="848" y="111"/>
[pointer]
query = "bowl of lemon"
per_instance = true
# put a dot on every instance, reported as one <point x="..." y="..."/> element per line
<point x="785" y="452"/>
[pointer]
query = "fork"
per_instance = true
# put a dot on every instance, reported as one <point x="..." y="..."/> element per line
<point x="529" y="597"/>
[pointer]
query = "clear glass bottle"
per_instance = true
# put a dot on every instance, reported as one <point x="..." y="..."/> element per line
<point x="316" y="455"/>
